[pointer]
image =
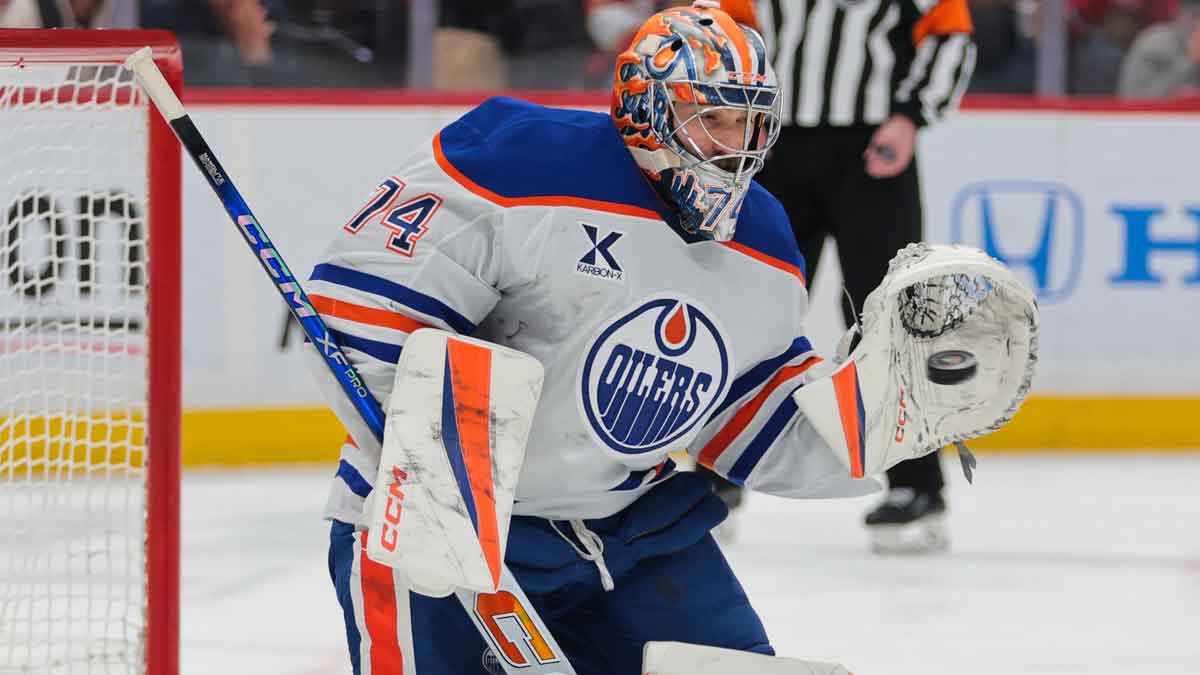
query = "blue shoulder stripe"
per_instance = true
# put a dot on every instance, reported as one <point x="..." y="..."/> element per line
<point x="368" y="283"/>
<point x="523" y="151"/>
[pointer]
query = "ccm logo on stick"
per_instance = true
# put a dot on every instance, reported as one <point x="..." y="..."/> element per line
<point x="391" y="514"/>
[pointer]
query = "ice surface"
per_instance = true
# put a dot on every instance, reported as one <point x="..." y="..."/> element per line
<point x="1059" y="563"/>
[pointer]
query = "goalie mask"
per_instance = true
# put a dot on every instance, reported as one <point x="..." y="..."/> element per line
<point x="697" y="103"/>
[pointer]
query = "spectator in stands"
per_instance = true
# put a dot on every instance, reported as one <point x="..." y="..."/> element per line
<point x="468" y="47"/>
<point x="338" y="43"/>
<point x="1006" y="61"/>
<point x="245" y="21"/>
<point x="1098" y="50"/>
<point x="468" y="60"/>
<point x="241" y="23"/>
<point x="1092" y="12"/>
<point x="296" y="43"/>
<point x="611" y="25"/>
<point x="1164" y="60"/>
<point x="545" y="42"/>
<point x="68" y="13"/>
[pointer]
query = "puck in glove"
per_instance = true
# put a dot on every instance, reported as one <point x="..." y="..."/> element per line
<point x="952" y="366"/>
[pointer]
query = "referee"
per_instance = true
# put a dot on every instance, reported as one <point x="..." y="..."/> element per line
<point x="859" y="78"/>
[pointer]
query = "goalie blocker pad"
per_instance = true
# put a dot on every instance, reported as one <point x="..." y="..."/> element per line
<point x="454" y="442"/>
<point x="879" y="407"/>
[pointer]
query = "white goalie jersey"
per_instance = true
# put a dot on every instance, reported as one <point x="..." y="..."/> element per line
<point x="534" y="229"/>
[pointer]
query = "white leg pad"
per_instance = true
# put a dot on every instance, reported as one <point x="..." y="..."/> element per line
<point x="678" y="658"/>
<point x="452" y="452"/>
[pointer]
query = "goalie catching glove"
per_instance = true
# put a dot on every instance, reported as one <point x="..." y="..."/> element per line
<point x="949" y="344"/>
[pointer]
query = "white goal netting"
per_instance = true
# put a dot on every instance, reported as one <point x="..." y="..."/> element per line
<point x="73" y="369"/>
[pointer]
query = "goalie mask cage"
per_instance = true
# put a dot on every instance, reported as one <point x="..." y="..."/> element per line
<point x="89" y="357"/>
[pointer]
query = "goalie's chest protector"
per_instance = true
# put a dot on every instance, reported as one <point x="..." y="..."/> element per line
<point x="642" y="330"/>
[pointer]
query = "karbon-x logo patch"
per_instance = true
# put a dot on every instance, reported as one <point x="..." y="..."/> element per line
<point x="599" y="261"/>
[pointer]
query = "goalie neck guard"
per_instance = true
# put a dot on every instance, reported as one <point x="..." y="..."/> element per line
<point x="694" y="78"/>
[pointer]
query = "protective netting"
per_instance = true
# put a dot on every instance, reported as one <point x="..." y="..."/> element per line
<point x="73" y="369"/>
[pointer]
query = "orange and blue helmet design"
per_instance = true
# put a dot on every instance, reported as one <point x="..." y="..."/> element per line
<point x="684" y="64"/>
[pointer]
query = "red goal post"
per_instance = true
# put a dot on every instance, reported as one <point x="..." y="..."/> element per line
<point x="89" y="356"/>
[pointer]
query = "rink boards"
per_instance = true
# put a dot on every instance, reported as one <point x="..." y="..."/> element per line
<point x="1095" y="208"/>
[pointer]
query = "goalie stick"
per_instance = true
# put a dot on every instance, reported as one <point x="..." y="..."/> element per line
<point x="531" y="649"/>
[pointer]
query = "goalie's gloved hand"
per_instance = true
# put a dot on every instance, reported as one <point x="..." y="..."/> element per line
<point x="878" y="407"/>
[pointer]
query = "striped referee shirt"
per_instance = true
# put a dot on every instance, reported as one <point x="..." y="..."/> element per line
<point x="855" y="62"/>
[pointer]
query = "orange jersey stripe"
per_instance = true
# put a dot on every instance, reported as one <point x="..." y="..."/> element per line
<point x="764" y="258"/>
<point x="845" y="385"/>
<point x="944" y="18"/>
<point x="374" y="316"/>
<point x="471" y="378"/>
<point x="379" y="613"/>
<point x="546" y="200"/>
<point x="718" y="444"/>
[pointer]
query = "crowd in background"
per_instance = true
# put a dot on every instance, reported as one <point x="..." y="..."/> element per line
<point x="1128" y="48"/>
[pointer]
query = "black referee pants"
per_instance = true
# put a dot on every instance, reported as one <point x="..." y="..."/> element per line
<point x="820" y="177"/>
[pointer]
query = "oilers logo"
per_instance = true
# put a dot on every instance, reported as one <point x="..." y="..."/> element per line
<point x="651" y="375"/>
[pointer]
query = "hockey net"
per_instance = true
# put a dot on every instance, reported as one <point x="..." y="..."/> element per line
<point x="89" y="357"/>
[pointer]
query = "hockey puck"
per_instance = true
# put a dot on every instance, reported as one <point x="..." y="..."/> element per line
<point x="953" y="366"/>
